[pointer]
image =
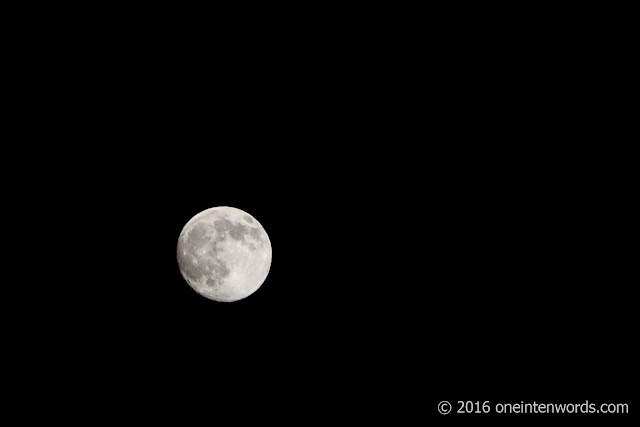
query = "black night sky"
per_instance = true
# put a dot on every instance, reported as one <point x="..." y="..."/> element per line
<point x="440" y="229"/>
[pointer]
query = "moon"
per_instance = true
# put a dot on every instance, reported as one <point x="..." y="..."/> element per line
<point x="224" y="254"/>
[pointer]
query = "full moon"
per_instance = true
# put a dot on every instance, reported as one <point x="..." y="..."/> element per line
<point x="224" y="254"/>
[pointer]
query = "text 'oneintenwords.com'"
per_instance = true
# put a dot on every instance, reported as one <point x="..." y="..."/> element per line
<point x="486" y="407"/>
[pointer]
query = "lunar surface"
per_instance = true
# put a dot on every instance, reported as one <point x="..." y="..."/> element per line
<point x="224" y="254"/>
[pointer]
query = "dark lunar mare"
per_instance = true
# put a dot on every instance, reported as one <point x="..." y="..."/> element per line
<point x="222" y="225"/>
<point x="255" y="233"/>
<point x="214" y="244"/>
<point x="238" y="231"/>
<point x="198" y="235"/>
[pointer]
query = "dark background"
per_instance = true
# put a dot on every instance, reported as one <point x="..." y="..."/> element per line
<point x="445" y="214"/>
<point x="489" y="269"/>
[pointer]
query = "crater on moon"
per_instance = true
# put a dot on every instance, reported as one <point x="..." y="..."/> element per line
<point x="221" y="268"/>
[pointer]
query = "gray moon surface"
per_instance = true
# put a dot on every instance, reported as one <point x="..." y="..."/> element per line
<point x="224" y="254"/>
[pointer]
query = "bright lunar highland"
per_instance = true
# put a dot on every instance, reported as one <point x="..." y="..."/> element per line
<point x="224" y="254"/>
